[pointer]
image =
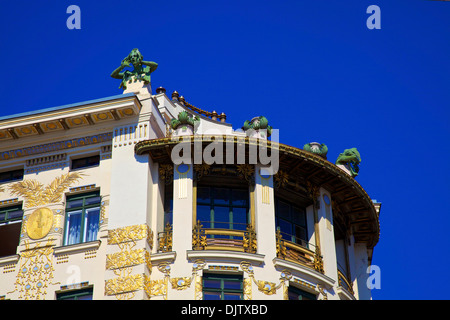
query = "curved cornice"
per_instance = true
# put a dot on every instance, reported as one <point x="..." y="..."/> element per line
<point x="351" y="198"/>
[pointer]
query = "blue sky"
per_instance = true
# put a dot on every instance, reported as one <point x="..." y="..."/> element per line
<point x="312" y="68"/>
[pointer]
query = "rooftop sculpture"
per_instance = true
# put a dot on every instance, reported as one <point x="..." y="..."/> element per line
<point x="141" y="71"/>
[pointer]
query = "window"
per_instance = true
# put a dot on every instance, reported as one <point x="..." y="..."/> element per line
<point x="297" y="294"/>
<point x="226" y="208"/>
<point x="10" y="225"/>
<point x="83" y="294"/>
<point x="12" y="175"/>
<point x="222" y="287"/>
<point x="291" y="221"/>
<point x="82" y="218"/>
<point x="168" y="204"/>
<point x="85" y="162"/>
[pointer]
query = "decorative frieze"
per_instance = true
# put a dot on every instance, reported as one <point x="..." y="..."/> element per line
<point x="56" y="146"/>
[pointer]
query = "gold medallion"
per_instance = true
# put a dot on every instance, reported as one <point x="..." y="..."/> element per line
<point x="39" y="223"/>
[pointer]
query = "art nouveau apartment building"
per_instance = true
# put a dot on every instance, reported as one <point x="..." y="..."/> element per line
<point x="131" y="197"/>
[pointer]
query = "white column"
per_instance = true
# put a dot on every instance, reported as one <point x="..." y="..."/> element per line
<point x="182" y="226"/>
<point x="326" y="234"/>
<point x="362" y="291"/>
<point x="266" y="233"/>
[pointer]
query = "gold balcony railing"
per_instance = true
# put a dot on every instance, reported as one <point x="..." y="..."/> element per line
<point x="297" y="253"/>
<point x="224" y="239"/>
<point x="344" y="282"/>
<point x="165" y="239"/>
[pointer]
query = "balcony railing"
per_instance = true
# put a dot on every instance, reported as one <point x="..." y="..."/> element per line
<point x="223" y="239"/>
<point x="165" y="239"/>
<point x="297" y="253"/>
<point x="344" y="282"/>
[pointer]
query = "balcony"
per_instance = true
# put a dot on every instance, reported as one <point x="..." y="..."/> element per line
<point x="224" y="239"/>
<point x="345" y="286"/>
<point x="299" y="253"/>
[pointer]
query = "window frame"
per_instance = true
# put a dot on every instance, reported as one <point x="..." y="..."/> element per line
<point x="11" y="177"/>
<point x="293" y="225"/>
<point x="9" y="209"/>
<point x="231" y="214"/>
<point x="222" y="290"/>
<point x="87" y="165"/>
<point x="301" y="293"/>
<point x="83" y="208"/>
<point x="68" y="294"/>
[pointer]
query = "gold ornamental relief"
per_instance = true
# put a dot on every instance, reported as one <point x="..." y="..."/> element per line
<point x="39" y="223"/>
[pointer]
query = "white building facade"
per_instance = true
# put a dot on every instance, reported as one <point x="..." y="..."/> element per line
<point x="112" y="199"/>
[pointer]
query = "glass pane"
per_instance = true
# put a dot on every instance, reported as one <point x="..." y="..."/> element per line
<point x="231" y="296"/>
<point x="73" y="227"/>
<point x="74" y="203"/>
<point x="85" y="297"/>
<point x="222" y="217"/>
<point x="92" y="200"/>
<point x="300" y="233"/>
<point x="232" y="284"/>
<point x="283" y="210"/>
<point x="211" y="283"/>
<point x="91" y="224"/>
<point x="2" y="216"/>
<point x="240" y="218"/>
<point x="240" y="197"/>
<point x="204" y="215"/>
<point x="221" y="196"/>
<point x="299" y="216"/>
<point x="203" y="195"/>
<point x="211" y="295"/>
<point x="15" y="215"/>
<point x="286" y="229"/>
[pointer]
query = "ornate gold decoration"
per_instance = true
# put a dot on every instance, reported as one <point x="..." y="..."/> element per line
<point x="166" y="173"/>
<point x="285" y="277"/>
<point x="202" y="170"/>
<point x="281" y="179"/>
<point x="165" y="239"/>
<point x="267" y="287"/>
<point x="35" y="271"/>
<point x="247" y="290"/>
<point x="126" y="284"/>
<point x="56" y="146"/>
<point x="181" y="283"/>
<point x="36" y="195"/>
<point x="318" y="261"/>
<point x="281" y="248"/>
<point x="124" y="259"/>
<point x="249" y="240"/>
<point x="126" y="234"/>
<point x="39" y="223"/>
<point x="150" y="237"/>
<point x="156" y="288"/>
<point x="196" y="267"/>
<point x="124" y="287"/>
<point x="246" y="171"/>
<point x="313" y="191"/>
<point x="322" y="292"/>
<point x="198" y="237"/>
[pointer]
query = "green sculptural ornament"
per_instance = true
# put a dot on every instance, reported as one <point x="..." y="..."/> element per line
<point x="351" y="159"/>
<point x="258" y="123"/>
<point x="184" y="119"/>
<point x="319" y="149"/>
<point x="141" y="71"/>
